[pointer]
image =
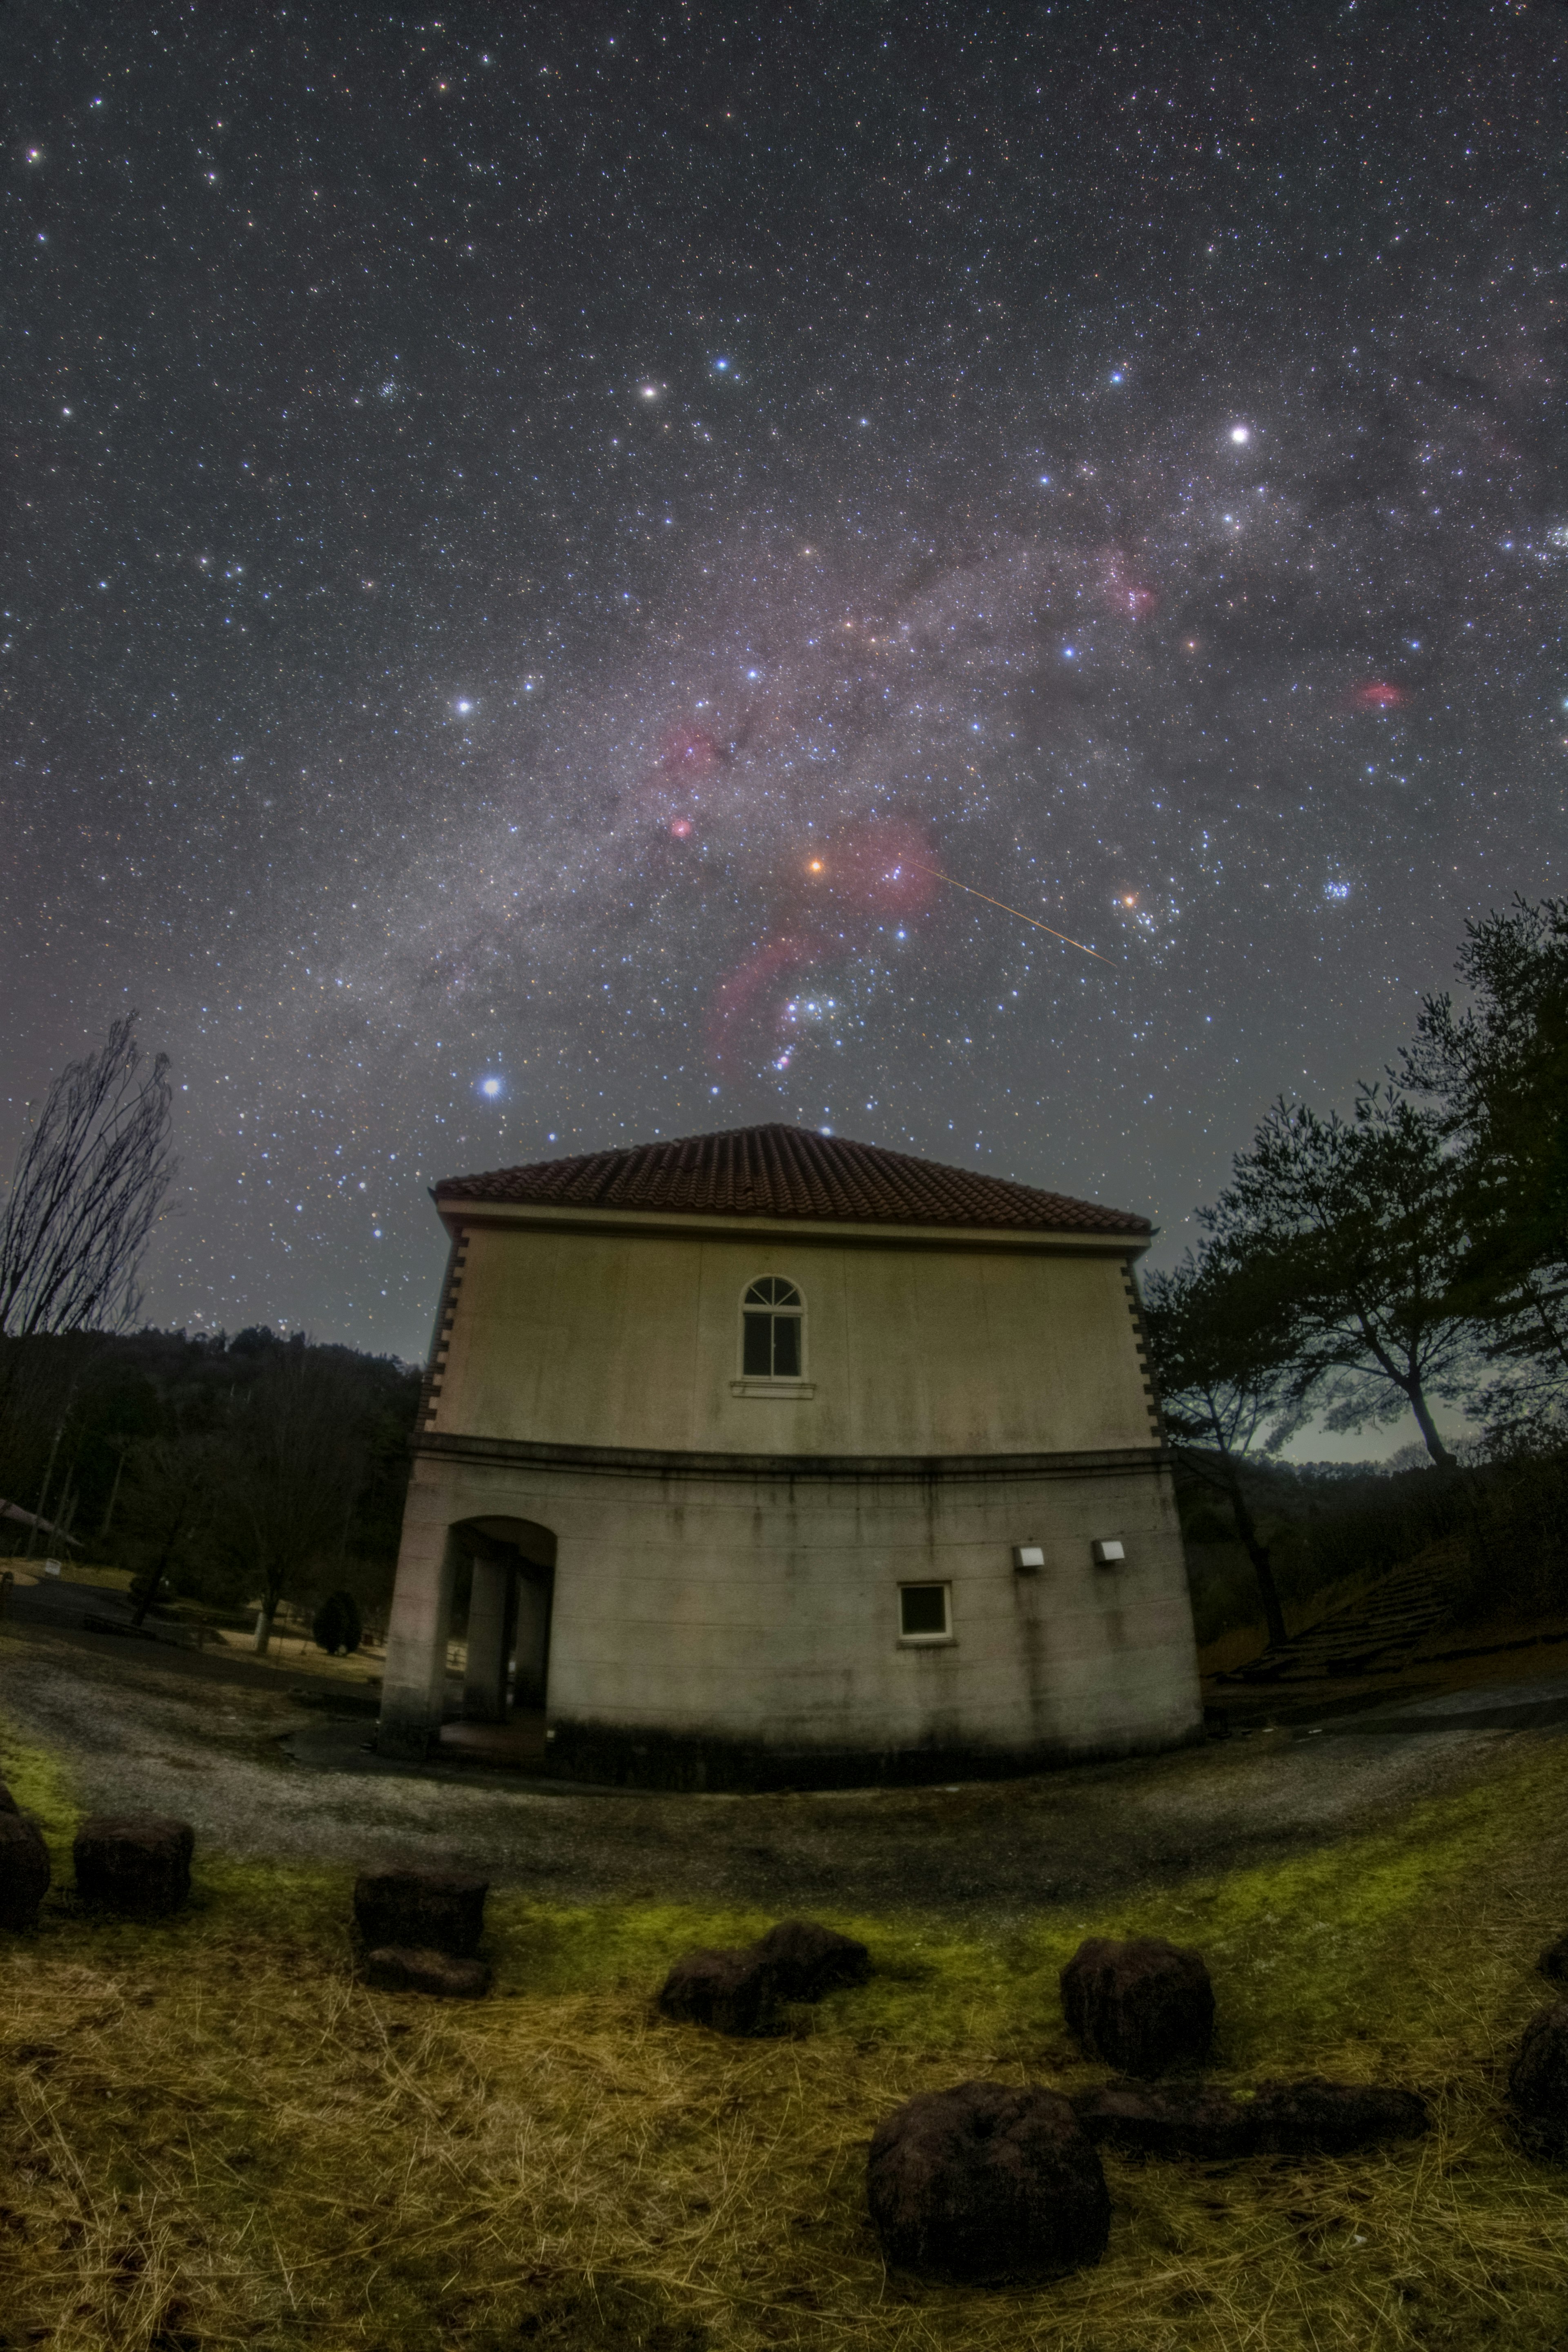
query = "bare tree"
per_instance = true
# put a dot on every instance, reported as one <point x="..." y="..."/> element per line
<point x="168" y="1509"/>
<point x="89" y="1184"/>
<point x="298" y="1464"/>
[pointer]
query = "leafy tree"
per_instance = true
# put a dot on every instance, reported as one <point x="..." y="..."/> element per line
<point x="1497" y="1076"/>
<point x="1352" y="1237"/>
<point x="1226" y="1386"/>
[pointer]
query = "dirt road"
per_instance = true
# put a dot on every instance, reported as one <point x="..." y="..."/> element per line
<point x="134" y="1734"/>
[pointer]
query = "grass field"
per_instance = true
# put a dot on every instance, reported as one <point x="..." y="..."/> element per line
<point x="217" y="2136"/>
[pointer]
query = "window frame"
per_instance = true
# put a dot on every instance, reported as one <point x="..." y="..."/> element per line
<point x="947" y="1638"/>
<point x="791" y="1311"/>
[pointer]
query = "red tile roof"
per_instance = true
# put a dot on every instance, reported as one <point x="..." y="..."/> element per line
<point x="787" y="1171"/>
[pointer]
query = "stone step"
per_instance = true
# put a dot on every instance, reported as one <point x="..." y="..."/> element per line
<point x="1381" y="1632"/>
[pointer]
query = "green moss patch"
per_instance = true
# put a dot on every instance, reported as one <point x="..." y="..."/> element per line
<point x="217" y="2135"/>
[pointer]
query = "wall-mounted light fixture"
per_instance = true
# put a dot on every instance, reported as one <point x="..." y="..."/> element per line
<point x="1108" y="1552"/>
<point x="1028" y="1558"/>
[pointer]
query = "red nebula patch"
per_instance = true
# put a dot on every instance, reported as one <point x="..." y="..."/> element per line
<point x="1380" y="696"/>
<point x="1122" y="591"/>
<point x="844" y="891"/>
<point x="688" y="751"/>
<point x="681" y="826"/>
<point x="735" y="1011"/>
<point x="879" y="869"/>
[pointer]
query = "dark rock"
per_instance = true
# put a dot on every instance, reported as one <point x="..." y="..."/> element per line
<point x="808" y="1961"/>
<point x="24" y="1870"/>
<point x="1316" y="2117"/>
<point x="134" y="1861"/>
<point x="734" y="1992"/>
<point x="1141" y="2006"/>
<point x="987" y="2181"/>
<point x="7" y="1802"/>
<point x="1553" y="1961"/>
<point x="1166" y="2120"/>
<point x="421" y="1910"/>
<point x="397" y="1969"/>
<point x="1538" y="2086"/>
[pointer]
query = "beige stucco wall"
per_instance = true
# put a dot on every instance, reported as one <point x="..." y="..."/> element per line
<point x="761" y="1607"/>
<point x="631" y="1337"/>
<point x="961" y="1396"/>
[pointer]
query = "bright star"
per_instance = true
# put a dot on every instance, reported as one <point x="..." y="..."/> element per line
<point x="463" y="709"/>
<point x="1241" y="432"/>
<point x="490" y="1087"/>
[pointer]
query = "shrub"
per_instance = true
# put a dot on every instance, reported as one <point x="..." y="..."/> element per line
<point x="338" y="1628"/>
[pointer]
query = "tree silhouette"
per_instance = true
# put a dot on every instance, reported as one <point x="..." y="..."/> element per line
<point x="90" y="1182"/>
<point x="1497" y="1075"/>
<point x="1352" y="1236"/>
<point x="1223" y="1370"/>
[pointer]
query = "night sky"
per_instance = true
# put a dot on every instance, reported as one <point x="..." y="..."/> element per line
<point x="534" y="538"/>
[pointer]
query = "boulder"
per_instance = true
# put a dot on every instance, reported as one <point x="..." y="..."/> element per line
<point x="398" y="1970"/>
<point x="987" y="2181"/>
<point x="24" y="1870"/>
<point x="808" y="1961"/>
<point x="1141" y="2006"/>
<point x="421" y="1910"/>
<point x="1538" y="2086"/>
<point x="1553" y="1961"/>
<point x="134" y="1861"/>
<point x="1316" y="2117"/>
<point x="1166" y="2120"/>
<point x="732" y="1992"/>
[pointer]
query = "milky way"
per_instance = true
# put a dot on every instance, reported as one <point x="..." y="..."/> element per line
<point x="544" y="544"/>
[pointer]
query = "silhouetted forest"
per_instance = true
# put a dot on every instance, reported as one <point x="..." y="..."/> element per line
<point x="238" y="1470"/>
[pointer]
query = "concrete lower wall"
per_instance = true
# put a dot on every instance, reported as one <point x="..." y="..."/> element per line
<point x="740" y="1625"/>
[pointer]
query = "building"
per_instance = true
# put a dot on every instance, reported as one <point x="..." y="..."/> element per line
<point x="778" y="1459"/>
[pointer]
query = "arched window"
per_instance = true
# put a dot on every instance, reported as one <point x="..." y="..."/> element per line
<point x="771" y="1318"/>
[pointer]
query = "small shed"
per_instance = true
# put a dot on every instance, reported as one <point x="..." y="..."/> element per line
<point x="775" y="1459"/>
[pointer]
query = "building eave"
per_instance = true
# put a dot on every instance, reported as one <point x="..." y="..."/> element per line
<point x="706" y="1224"/>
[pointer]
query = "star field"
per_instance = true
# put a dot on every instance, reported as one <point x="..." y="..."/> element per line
<point x="572" y="572"/>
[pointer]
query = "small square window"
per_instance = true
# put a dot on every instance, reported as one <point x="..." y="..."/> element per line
<point x="923" y="1612"/>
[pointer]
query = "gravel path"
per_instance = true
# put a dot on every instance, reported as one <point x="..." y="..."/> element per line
<point x="135" y="1735"/>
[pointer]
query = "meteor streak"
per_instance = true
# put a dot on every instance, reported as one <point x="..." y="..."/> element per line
<point x="1015" y="911"/>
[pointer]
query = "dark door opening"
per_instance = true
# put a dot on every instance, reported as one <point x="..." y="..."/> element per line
<point x="507" y="1675"/>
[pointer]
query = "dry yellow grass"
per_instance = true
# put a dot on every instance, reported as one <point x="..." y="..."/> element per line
<point x="217" y="2136"/>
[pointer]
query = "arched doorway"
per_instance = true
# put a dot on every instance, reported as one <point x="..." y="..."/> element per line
<point x="507" y="1675"/>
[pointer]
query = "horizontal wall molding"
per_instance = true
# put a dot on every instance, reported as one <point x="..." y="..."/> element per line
<point x="519" y="1454"/>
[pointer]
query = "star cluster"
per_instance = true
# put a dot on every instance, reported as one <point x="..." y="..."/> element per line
<point x="584" y="574"/>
